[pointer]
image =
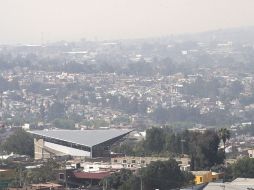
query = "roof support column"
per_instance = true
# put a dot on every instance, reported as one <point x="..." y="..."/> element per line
<point x="91" y="152"/>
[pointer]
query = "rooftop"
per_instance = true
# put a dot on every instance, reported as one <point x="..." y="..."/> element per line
<point x="82" y="137"/>
<point x="243" y="181"/>
<point x="91" y="175"/>
<point x="237" y="184"/>
<point x="51" y="185"/>
<point x="199" y="173"/>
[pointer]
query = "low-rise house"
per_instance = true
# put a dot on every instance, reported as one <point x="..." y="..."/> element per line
<point x="138" y="162"/>
<point x="205" y="176"/>
<point x="129" y="161"/>
<point x="251" y="153"/>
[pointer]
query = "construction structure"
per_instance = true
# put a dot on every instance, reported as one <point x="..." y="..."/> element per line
<point x="76" y="143"/>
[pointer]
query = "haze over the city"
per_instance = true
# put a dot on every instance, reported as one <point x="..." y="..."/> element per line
<point x="126" y="94"/>
<point x="30" y="21"/>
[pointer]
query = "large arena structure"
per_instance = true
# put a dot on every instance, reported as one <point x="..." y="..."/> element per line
<point x="76" y="143"/>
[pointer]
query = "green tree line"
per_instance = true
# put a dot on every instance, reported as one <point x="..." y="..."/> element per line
<point x="203" y="148"/>
<point x="161" y="175"/>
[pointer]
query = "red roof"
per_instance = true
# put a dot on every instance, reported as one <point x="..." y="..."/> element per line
<point x="93" y="175"/>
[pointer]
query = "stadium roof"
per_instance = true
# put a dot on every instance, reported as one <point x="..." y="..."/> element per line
<point x="87" y="138"/>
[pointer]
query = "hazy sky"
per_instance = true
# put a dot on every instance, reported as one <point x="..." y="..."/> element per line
<point x="24" y="21"/>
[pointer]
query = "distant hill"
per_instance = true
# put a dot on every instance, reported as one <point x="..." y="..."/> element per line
<point x="241" y="35"/>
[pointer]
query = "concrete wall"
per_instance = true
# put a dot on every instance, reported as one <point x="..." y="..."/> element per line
<point x="45" y="150"/>
<point x="39" y="152"/>
<point x="251" y="153"/>
<point x="144" y="161"/>
<point x="130" y="161"/>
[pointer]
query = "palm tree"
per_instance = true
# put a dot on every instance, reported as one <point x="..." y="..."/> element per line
<point x="224" y="135"/>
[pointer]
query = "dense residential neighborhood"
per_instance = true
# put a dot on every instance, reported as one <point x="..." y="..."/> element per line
<point x="128" y="83"/>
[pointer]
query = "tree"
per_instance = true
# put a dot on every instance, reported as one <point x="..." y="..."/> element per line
<point x="173" y="143"/>
<point x="161" y="175"/>
<point x="20" y="142"/>
<point x="6" y="85"/>
<point x="44" y="174"/>
<point x="203" y="88"/>
<point x="161" y="115"/>
<point x="164" y="175"/>
<point x="116" y="180"/>
<point x="155" y="140"/>
<point x="133" y="183"/>
<point x="243" y="168"/>
<point x="64" y="123"/>
<point x="224" y="135"/>
<point x="130" y="148"/>
<point x="204" y="150"/>
<point x="56" y="110"/>
<point x="235" y="89"/>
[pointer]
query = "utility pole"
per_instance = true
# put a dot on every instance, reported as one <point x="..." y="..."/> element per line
<point x="20" y="177"/>
<point x="105" y="186"/>
<point x="182" y="142"/>
<point x="65" y="174"/>
<point x="1" y="101"/>
<point x="141" y="183"/>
